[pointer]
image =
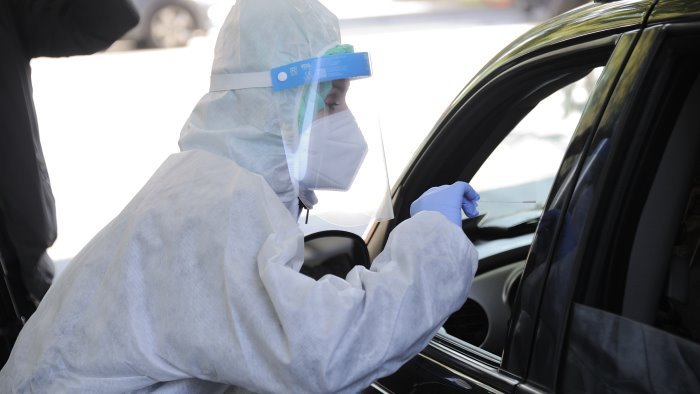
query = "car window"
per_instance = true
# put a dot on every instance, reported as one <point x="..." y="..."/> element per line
<point x="514" y="184"/>
<point x="640" y="332"/>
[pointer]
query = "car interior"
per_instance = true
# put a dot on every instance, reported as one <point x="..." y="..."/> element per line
<point x="671" y="298"/>
<point x="677" y="311"/>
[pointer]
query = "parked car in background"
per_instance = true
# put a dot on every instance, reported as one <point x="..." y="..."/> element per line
<point x="169" y="23"/>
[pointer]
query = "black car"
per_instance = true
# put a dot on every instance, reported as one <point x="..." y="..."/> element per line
<point x="589" y="272"/>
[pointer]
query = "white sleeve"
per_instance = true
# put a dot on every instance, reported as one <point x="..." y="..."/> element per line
<point x="341" y="335"/>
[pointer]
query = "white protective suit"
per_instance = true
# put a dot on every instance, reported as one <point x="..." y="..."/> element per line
<point x="194" y="286"/>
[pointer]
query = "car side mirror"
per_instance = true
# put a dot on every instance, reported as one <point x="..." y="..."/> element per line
<point x="333" y="252"/>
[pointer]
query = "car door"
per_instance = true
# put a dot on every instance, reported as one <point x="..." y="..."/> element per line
<point x="503" y="135"/>
<point x="634" y="323"/>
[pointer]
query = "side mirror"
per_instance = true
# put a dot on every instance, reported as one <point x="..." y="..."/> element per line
<point x="333" y="252"/>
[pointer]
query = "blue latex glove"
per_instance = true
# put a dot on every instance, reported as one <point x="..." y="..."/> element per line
<point x="449" y="200"/>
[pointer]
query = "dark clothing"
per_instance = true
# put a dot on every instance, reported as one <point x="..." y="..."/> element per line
<point x="29" y="29"/>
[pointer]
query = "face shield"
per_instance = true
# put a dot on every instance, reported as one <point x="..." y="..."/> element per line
<point x="331" y="135"/>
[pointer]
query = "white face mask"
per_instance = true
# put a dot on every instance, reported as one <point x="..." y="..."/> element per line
<point x="335" y="153"/>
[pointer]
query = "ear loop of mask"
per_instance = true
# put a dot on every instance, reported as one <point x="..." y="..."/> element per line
<point x="302" y="206"/>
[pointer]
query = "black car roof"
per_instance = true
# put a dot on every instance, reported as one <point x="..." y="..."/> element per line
<point x="584" y="22"/>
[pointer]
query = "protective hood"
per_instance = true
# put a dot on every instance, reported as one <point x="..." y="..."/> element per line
<point x="244" y="125"/>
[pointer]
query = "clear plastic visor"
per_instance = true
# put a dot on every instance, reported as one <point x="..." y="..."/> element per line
<point x="336" y="156"/>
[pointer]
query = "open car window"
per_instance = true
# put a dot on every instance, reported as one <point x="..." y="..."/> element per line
<point x="514" y="184"/>
<point x="515" y="181"/>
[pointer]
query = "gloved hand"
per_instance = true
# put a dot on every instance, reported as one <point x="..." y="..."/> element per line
<point x="449" y="200"/>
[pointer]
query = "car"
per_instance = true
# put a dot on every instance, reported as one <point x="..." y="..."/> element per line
<point x="583" y="139"/>
<point x="169" y="23"/>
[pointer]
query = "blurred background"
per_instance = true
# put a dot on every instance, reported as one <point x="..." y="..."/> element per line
<point x="107" y="121"/>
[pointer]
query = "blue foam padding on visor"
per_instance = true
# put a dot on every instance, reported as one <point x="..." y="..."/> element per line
<point x="321" y="69"/>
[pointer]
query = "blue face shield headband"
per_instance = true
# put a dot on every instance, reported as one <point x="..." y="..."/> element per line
<point x="305" y="72"/>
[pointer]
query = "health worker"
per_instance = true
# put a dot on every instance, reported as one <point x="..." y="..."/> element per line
<point x="195" y="286"/>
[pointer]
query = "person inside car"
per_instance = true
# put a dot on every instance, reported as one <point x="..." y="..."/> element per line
<point x="195" y="285"/>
